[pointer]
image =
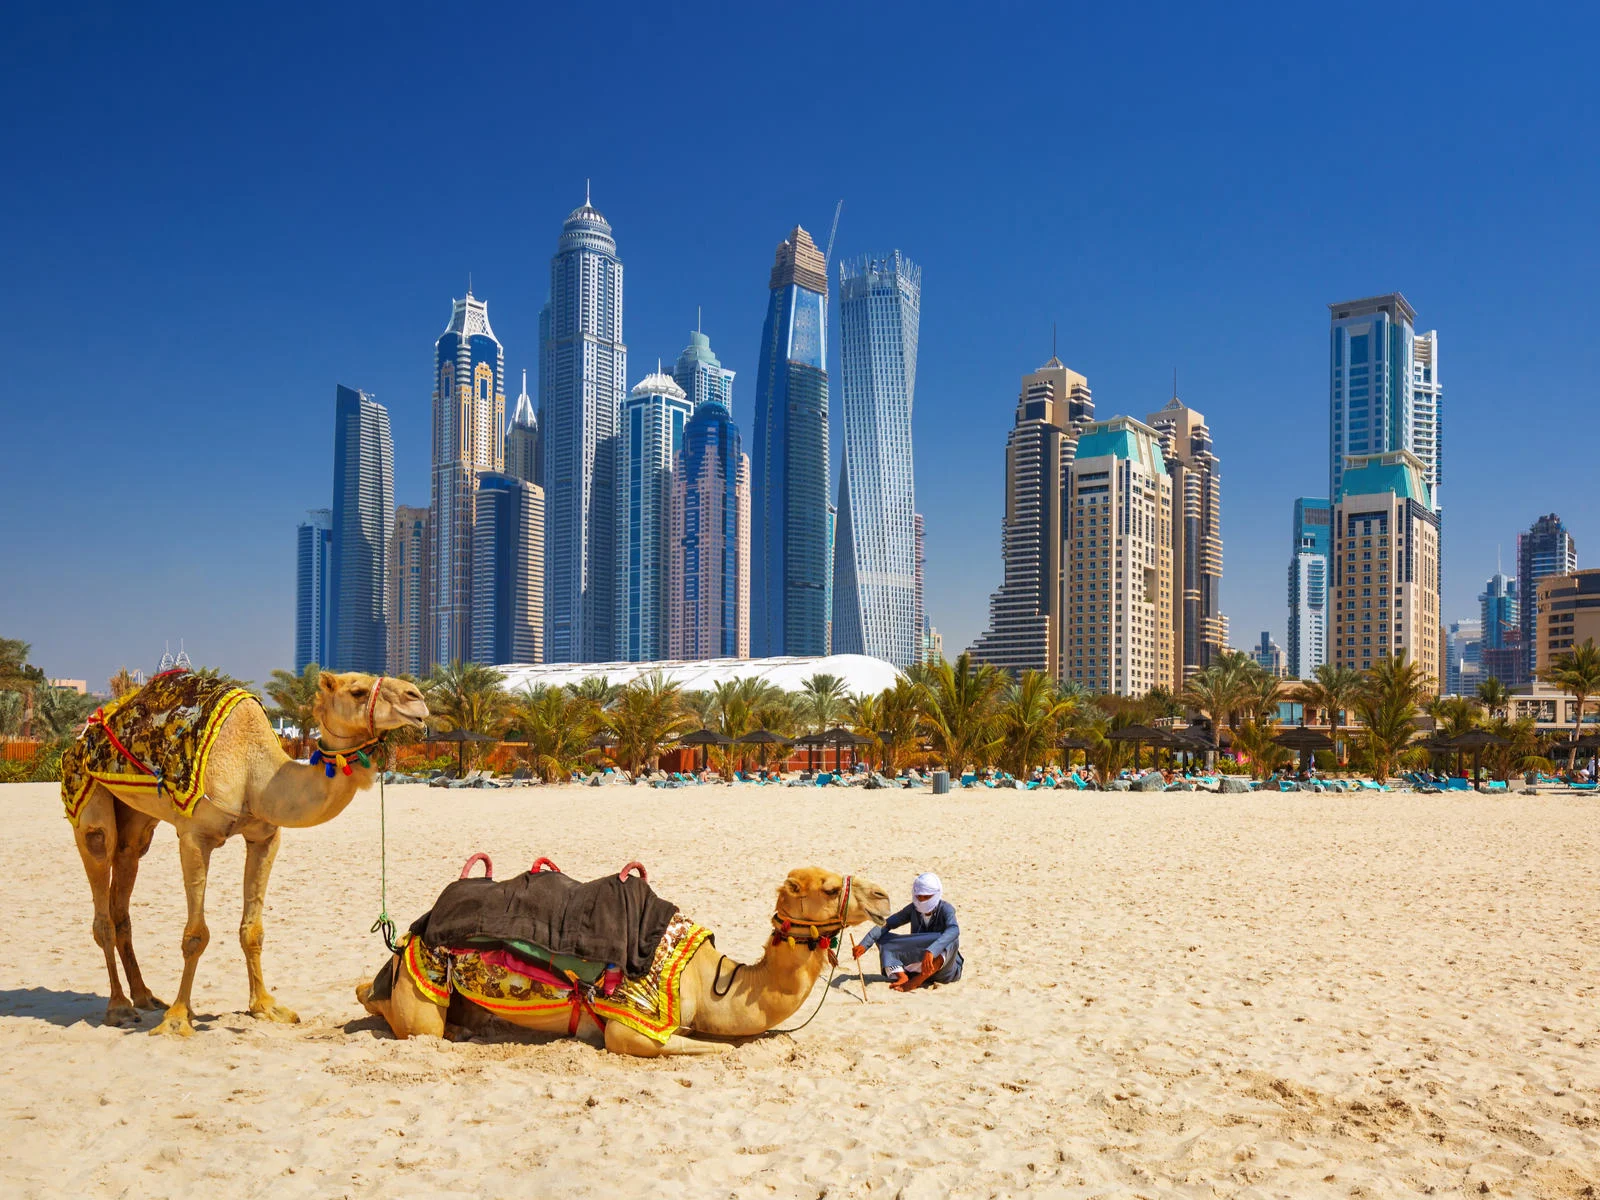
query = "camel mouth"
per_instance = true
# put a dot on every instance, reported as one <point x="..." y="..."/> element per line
<point x="877" y="916"/>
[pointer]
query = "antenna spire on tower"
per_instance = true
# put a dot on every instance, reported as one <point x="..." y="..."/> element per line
<point x="586" y="203"/>
<point x="697" y="328"/>
<point x="1052" y="339"/>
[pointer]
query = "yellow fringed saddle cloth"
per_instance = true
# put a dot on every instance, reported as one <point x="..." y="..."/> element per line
<point x="647" y="1003"/>
<point x="158" y="737"/>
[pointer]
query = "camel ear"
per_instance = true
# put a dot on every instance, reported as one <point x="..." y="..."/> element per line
<point x="328" y="682"/>
<point x="792" y="886"/>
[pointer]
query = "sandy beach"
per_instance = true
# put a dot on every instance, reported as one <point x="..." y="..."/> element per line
<point x="1166" y="995"/>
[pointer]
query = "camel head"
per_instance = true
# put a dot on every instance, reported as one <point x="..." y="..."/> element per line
<point x="347" y="709"/>
<point x="812" y="894"/>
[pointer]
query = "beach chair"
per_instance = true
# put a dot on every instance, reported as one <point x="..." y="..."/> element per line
<point x="1457" y="784"/>
<point x="968" y="780"/>
<point x="1584" y="787"/>
<point x="825" y="779"/>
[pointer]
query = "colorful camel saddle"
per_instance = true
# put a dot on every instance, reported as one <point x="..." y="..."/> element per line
<point x="548" y="917"/>
<point x="648" y="1003"/>
<point x="157" y="738"/>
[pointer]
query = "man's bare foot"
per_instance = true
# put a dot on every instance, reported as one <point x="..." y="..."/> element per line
<point x="898" y="982"/>
<point x="930" y="969"/>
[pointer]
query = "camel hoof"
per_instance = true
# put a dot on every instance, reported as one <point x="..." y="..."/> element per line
<point x="179" y="1026"/>
<point x="277" y="1014"/>
<point x="120" y="1016"/>
<point x="149" y="1003"/>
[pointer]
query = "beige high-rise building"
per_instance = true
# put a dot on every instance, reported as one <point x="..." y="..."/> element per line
<point x="1117" y="580"/>
<point x="1025" y="626"/>
<point x="1569" y="615"/>
<point x="408" y="591"/>
<point x="1385" y="568"/>
<point x="1200" y="631"/>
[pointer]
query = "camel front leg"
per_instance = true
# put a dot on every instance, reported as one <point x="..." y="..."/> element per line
<point x="96" y="835"/>
<point x="194" y="855"/>
<point x="622" y="1040"/>
<point x="258" y="856"/>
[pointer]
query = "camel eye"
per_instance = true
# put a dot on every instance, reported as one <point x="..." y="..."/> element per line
<point x="358" y="693"/>
<point x="833" y="891"/>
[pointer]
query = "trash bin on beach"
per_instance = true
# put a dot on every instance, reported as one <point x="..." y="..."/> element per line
<point x="941" y="782"/>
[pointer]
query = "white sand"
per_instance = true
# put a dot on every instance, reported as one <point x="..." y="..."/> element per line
<point x="1170" y="995"/>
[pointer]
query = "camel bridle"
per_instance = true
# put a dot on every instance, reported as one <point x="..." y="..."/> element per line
<point x="824" y="933"/>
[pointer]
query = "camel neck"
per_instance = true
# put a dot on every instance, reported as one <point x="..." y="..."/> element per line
<point x="762" y="994"/>
<point x="300" y="795"/>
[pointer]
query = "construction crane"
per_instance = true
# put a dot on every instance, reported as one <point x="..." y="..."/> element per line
<point x="832" y="233"/>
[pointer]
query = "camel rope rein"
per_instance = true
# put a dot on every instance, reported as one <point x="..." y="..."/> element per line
<point x="830" y="941"/>
<point x="385" y="923"/>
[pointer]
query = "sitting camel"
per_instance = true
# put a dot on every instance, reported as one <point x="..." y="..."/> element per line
<point x="714" y="994"/>
<point x="250" y="788"/>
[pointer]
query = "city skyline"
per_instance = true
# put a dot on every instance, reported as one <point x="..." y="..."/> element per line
<point x="1127" y="272"/>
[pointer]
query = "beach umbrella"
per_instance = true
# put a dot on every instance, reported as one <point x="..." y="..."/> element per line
<point x="1304" y="741"/>
<point x="1073" y="742"/>
<point x="1475" y="740"/>
<point x="762" y="737"/>
<point x="460" y="737"/>
<point x="1138" y="735"/>
<point x="704" y="738"/>
<point x="811" y="742"/>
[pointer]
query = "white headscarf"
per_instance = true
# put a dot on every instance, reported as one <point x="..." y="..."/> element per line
<point x="927" y="884"/>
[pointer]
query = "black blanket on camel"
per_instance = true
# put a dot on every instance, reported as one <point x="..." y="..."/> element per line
<point x="607" y="920"/>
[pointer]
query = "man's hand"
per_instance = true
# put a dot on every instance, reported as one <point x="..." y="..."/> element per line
<point x="859" y="950"/>
<point x="930" y="965"/>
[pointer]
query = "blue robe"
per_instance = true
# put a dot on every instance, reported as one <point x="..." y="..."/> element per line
<point x="936" y="934"/>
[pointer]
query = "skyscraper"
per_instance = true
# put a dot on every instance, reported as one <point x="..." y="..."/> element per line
<point x="583" y="369"/>
<point x="874" y="585"/>
<point x="469" y="414"/>
<point x="919" y="609"/>
<point x="1499" y="610"/>
<point x="790" y="567"/>
<point x="1308" y="586"/>
<point x="1025" y="611"/>
<point x="1268" y="654"/>
<point x="653" y="417"/>
<point x="524" y="454"/>
<point x="708" y="544"/>
<point x="1546" y="549"/>
<point x="701" y="374"/>
<point x="508" y="567"/>
<point x="1384" y="392"/>
<point x="1117" y="625"/>
<point x="1463" y="643"/>
<point x="363" y="516"/>
<point x="408" y="591"/>
<point x="313" y="567"/>
<point x="1386" y="565"/>
<point x="1199" y="627"/>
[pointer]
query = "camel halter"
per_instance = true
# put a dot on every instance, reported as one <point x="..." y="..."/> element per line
<point x="824" y="934"/>
<point x="335" y="759"/>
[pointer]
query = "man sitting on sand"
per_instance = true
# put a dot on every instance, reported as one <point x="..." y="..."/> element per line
<point x="931" y="952"/>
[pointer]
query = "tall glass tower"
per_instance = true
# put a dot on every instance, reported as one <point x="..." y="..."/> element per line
<point x="701" y="374"/>
<point x="875" y="551"/>
<point x="469" y="416"/>
<point x="789" y="526"/>
<point x="583" y="368"/>
<point x="708" y="544"/>
<point x="1308" y="586"/>
<point x="313" y="551"/>
<point x="363" y="519"/>
<point x="524" y="454"/>
<point x="1546" y="549"/>
<point x="653" y="417"/>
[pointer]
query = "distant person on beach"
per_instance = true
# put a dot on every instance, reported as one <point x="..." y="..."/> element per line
<point x="931" y="952"/>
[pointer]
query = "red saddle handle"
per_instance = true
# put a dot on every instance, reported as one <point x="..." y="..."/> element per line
<point x="480" y="857"/>
<point x="633" y="866"/>
<point x="543" y="864"/>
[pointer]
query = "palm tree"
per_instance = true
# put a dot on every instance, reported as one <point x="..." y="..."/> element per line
<point x="1259" y="691"/>
<point x="1492" y="694"/>
<point x="1332" y="691"/>
<point x="1255" y="739"/>
<point x="58" y="713"/>
<point x="598" y="690"/>
<point x="1577" y="673"/>
<point x="958" y="703"/>
<point x="293" y="698"/>
<point x="1029" y="722"/>
<point x="18" y="675"/>
<point x="899" y="712"/>
<point x="1388" y="705"/>
<point x="121" y="683"/>
<point x="470" y="697"/>
<point x="557" y="726"/>
<point x="822" y="701"/>
<point x="1454" y="714"/>
<point x="646" y="715"/>
<point x="701" y="705"/>
<point x="1220" y="690"/>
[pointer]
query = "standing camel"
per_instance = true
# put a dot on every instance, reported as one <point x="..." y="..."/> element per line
<point x="251" y="788"/>
<point x="716" y="995"/>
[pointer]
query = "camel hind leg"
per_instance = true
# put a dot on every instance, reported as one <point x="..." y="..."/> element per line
<point x="134" y="831"/>
<point x="408" y="1012"/>
<point x="622" y="1040"/>
<point x="96" y="836"/>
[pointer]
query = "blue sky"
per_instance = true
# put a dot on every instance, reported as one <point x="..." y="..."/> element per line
<point x="213" y="217"/>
